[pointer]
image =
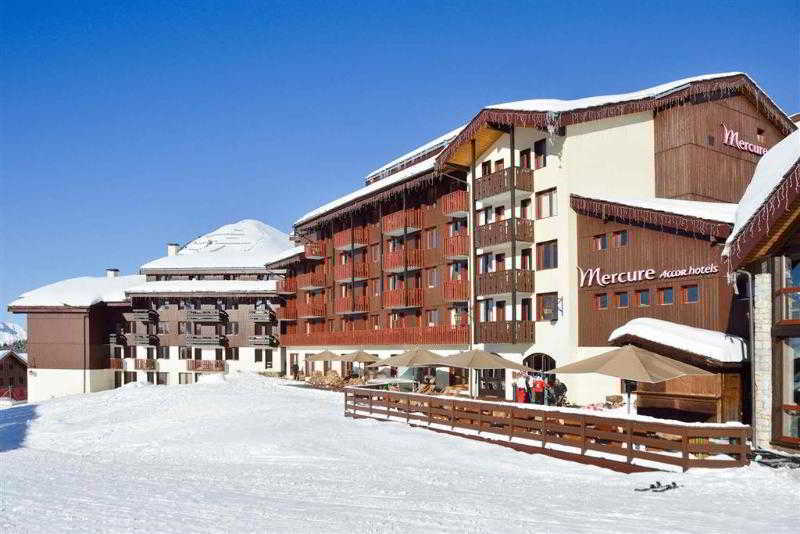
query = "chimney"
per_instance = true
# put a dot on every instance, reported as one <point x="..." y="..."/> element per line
<point x="172" y="249"/>
<point x="112" y="273"/>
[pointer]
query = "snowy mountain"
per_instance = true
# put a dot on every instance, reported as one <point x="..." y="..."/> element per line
<point x="10" y="332"/>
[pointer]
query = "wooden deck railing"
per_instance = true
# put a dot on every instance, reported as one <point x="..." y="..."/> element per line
<point x="455" y="203"/>
<point x="457" y="246"/>
<point x="499" y="232"/>
<point x="314" y="308"/>
<point x="288" y="312"/>
<point x="394" y="223"/>
<point x="287" y="285"/>
<point x="116" y="363"/>
<point x="500" y="182"/>
<point x="345" y="239"/>
<point x="205" y="365"/>
<point x="350" y="304"/>
<point x="437" y="335"/>
<point x="356" y="269"/>
<point x="315" y="279"/>
<point x="501" y="281"/>
<point x="456" y="290"/>
<point x="501" y="331"/>
<point x="142" y="364"/>
<point x="315" y="251"/>
<point x="402" y="298"/>
<point x="621" y="440"/>
<point x="400" y="259"/>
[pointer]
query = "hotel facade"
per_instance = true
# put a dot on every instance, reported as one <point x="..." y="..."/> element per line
<point x="536" y="231"/>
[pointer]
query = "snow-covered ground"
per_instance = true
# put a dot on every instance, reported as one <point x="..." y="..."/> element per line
<point x="255" y="454"/>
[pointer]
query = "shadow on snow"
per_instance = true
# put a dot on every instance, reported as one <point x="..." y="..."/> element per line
<point x="14" y="423"/>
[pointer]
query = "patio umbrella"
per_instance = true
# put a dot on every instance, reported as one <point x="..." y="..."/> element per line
<point x="630" y="362"/>
<point x="324" y="356"/>
<point x="481" y="359"/>
<point x="359" y="357"/>
<point x="416" y="357"/>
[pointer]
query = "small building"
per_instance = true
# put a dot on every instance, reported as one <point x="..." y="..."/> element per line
<point x="13" y="374"/>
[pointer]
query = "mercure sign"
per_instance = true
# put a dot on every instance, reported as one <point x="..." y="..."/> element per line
<point x="590" y="277"/>
<point x="731" y="138"/>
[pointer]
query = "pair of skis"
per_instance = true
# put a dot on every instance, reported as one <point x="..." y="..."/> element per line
<point x="659" y="488"/>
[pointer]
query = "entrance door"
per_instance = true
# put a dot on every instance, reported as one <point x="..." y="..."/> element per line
<point x="283" y="361"/>
<point x="500" y="310"/>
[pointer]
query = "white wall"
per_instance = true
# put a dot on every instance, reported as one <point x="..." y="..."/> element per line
<point x="46" y="384"/>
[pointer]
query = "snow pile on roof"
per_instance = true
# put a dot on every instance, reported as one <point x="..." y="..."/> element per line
<point x="10" y="333"/>
<point x="768" y="175"/>
<point x="286" y="254"/>
<point x="708" y="343"/>
<point x="440" y="141"/>
<point x="556" y="105"/>
<point x="80" y="292"/>
<point x="711" y="211"/>
<point x="204" y="286"/>
<point x="241" y="245"/>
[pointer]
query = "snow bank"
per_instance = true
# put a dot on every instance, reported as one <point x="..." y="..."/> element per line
<point x="768" y="175"/>
<point x="708" y="343"/>
<point x="79" y="292"/>
<point x="247" y="244"/>
<point x="711" y="211"/>
<point x="440" y="141"/>
<point x="204" y="286"/>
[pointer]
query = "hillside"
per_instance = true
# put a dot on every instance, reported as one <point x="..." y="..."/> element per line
<point x="10" y="333"/>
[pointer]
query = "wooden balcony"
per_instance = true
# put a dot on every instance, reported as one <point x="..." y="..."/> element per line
<point x="117" y="338"/>
<point x="262" y="316"/>
<point x="314" y="280"/>
<point x="287" y="286"/>
<point x="502" y="332"/>
<point x="437" y="335"/>
<point x="143" y="316"/>
<point x="142" y="364"/>
<point x="206" y="316"/>
<point x="402" y="259"/>
<point x="456" y="247"/>
<point x="456" y="204"/>
<point x="315" y="308"/>
<point x="499" y="232"/>
<point x="351" y="271"/>
<point x="142" y="339"/>
<point x="399" y="222"/>
<point x="502" y="281"/>
<point x="402" y="298"/>
<point x="205" y="366"/>
<point x="500" y="182"/>
<point x="315" y="251"/>
<point x="287" y="312"/>
<point x="358" y="304"/>
<point x="456" y="290"/>
<point x="349" y="239"/>
<point x="210" y="339"/>
<point x="116" y="363"/>
<point x="264" y="340"/>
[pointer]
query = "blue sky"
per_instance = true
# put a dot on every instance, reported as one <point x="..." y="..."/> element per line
<point x="127" y="126"/>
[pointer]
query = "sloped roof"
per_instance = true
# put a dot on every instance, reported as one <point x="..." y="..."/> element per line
<point x="78" y="292"/>
<point x="204" y="286"/>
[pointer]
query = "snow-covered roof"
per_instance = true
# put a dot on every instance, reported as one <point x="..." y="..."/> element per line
<point x="79" y="292"/>
<point x="286" y="254"/>
<point x="768" y="174"/>
<point x="556" y="105"/>
<point x="204" y="286"/>
<point x="247" y="244"/>
<point x="711" y="211"/>
<point x="21" y="355"/>
<point x="440" y="141"/>
<point x="708" y="343"/>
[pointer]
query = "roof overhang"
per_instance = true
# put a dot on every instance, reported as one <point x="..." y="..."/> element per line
<point x="48" y="309"/>
<point x="699" y="360"/>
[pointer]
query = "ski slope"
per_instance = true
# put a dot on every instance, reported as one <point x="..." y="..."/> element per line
<point x="260" y="455"/>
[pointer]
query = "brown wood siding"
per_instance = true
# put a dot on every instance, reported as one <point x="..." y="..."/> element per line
<point x="688" y="167"/>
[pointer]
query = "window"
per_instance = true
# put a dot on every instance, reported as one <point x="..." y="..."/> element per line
<point x="789" y="393"/>
<point x="540" y="153"/>
<point x="527" y="310"/>
<point x="525" y="158"/>
<point x="665" y="296"/>
<point x="185" y="353"/>
<point x="432" y="238"/>
<point x="198" y="354"/>
<point x="151" y="377"/>
<point x="218" y="354"/>
<point x="499" y="165"/>
<point x="486" y="168"/>
<point x="163" y="353"/>
<point x="184" y="378"/>
<point x="259" y="355"/>
<point x="183" y="327"/>
<point x="547" y="255"/>
<point x="526" y="257"/>
<point x="163" y="328"/>
<point x="432" y="317"/>
<point x="546" y="204"/>
<point x="161" y="379"/>
<point x="600" y="242"/>
<point x="622" y="299"/>
<point x="232" y="353"/>
<point x="760" y="135"/>
<point x="151" y="353"/>
<point x="643" y="297"/>
<point x="525" y="209"/>
<point x="268" y="358"/>
<point x="130" y="376"/>
<point x="232" y="328"/>
<point x="691" y="294"/>
<point x="621" y="238"/>
<point x="547" y="307"/>
<point x="376" y="253"/>
<point x="601" y="301"/>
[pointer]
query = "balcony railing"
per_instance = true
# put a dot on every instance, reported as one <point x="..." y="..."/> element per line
<point x="287" y="313"/>
<point x="456" y="204"/>
<point x="456" y="290"/>
<point x="311" y="309"/>
<point x="262" y="316"/>
<point x="502" y="281"/>
<point x="354" y="270"/>
<point x="502" y="331"/>
<point x="206" y="316"/>
<point x="142" y="339"/>
<point x="116" y="363"/>
<point x="315" y="251"/>
<point x="263" y="340"/>
<point x="144" y="316"/>
<point x="500" y="182"/>
<point x="357" y="304"/>
<point x="347" y="239"/>
<point x="402" y="298"/>
<point x="437" y="335"/>
<point x="402" y="259"/>
<point x="209" y="339"/>
<point x="287" y="286"/>
<point x="456" y="246"/>
<point x="205" y="365"/>
<point x="313" y="280"/>
<point x="499" y="232"/>
<point x="409" y="220"/>
<point x="145" y="365"/>
<point x="117" y="338"/>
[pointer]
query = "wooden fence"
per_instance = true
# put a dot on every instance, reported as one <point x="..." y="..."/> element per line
<point x="621" y="440"/>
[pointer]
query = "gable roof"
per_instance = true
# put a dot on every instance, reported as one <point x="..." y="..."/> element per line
<point x="79" y="292"/>
<point x="22" y="357"/>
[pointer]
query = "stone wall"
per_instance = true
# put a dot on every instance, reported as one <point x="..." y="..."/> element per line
<point x="762" y="358"/>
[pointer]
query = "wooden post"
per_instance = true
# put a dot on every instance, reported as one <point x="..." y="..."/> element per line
<point x="370" y="403"/>
<point x="513" y="242"/>
<point x="510" y="423"/>
<point x="583" y="434"/>
<point x="408" y="408"/>
<point x="452" y="414"/>
<point x="386" y="398"/>
<point x="685" y="452"/>
<point x="629" y="436"/>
